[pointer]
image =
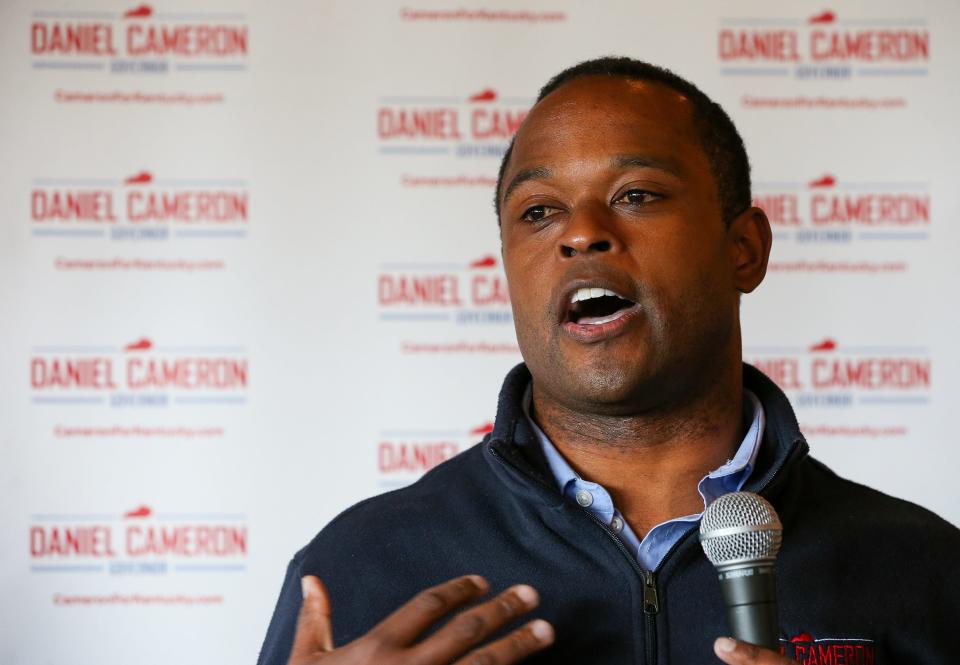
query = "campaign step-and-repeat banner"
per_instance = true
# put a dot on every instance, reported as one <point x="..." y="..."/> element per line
<point x="251" y="272"/>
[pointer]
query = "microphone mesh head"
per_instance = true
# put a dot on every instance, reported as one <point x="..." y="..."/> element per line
<point x="740" y="526"/>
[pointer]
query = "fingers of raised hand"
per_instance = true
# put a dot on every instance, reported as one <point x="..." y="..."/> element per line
<point x="735" y="652"/>
<point x="477" y="624"/>
<point x="516" y="646"/>
<point x="422" y="611"/>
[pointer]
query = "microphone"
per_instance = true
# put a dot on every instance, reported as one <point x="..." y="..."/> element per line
<point x="740" y="533"/>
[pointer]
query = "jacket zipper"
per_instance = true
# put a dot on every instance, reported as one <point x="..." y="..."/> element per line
<point x="651" y="601"/>
<point x="651" y="605"/>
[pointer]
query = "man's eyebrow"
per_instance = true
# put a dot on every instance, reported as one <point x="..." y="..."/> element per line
<point x="644" y="161"/>
<point x="523" y="176"/>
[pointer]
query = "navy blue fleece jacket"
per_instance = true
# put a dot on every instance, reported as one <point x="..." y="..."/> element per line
<point x="863" y="578"/>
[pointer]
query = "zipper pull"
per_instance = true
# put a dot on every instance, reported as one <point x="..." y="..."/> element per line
<point x="650" y="603"/>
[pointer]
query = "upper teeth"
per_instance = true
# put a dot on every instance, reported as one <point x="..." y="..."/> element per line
<point x="591" y="292"/>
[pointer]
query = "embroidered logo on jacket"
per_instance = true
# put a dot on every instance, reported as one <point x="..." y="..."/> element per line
<point x="805" y="648"/>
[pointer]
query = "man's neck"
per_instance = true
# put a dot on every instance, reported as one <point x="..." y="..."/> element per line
<point x="650" y="463"/>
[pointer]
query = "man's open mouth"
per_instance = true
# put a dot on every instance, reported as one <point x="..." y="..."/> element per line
<point x="593" y="306"/>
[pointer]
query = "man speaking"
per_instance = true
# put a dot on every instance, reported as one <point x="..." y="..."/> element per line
<point x="628" y="238"/>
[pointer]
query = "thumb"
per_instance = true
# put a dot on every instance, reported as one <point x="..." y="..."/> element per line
<point x="735" y="652"/>
<point x="314" y="632"/>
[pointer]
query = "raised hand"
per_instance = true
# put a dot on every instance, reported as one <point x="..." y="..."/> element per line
<point x="394" y="640"/>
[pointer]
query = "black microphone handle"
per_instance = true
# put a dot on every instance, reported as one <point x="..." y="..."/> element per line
<point x="751" y="598"/>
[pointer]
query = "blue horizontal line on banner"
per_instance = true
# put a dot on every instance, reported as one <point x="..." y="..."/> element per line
<point x="421" y="266"/>
<point x="423" y="100"/>
<point x="227" y="517"/>
<point x="200" y="349"/>
<point x="76" y="182"/>
<point x="70" y="233"/>
<point x="89" y="517"/>
<point x="201" y="16"/>
<point x="53" y="64"/>
<point x="210" y="400"/>
<point x="211" y="67"/>
<point x="884" y="71"/>
<point x="893" y="235"/>
<point x="199" y="182"/>
<point x="893" y="400"/>
<point x="755" y="71"/>
<point x="75" y="349"/>
<point x="905" y="22"/>
<point x="414" y="150"/>
<point x="209" y="567"/>
<point x="211" y="233"/>
<point x="782" y="235"/>
<point x="67" y="400"/>
<point x="423" y="433"/>
<point x="414" y="316"/>
<point x="67" y="568"/>
<point x="753" y="20"/>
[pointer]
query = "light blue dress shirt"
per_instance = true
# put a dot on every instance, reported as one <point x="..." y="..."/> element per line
<point x="650" y="551"/>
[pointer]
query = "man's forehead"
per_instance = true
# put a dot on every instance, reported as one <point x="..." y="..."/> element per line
<point x="592" y="108"/>
<point x="593" y="94"/>
<point x="606" y="118"/>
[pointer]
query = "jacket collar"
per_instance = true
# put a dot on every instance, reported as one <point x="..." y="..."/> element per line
<point x="513" y="440"/>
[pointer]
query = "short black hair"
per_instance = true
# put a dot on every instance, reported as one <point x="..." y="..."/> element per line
<point x="718" y="136"/>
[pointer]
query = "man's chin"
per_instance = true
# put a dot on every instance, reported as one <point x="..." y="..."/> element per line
<point x="610" y="388"/>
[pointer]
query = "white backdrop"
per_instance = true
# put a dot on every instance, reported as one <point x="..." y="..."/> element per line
<point x="250" y="272"/>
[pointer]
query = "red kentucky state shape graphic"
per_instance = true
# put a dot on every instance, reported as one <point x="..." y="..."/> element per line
<point x="485" y="95"/>
<point x="140" y="11"/>
<point x="802" y="637"/>
<point x="485" y="428"/>
<point x="487" y="261"/>
<point x="826" y="345"/>
<point x="139" y="511"/>
<point x="141" y="178"/>
<point x="824" y="181"/>
<point x="823" y="17"/>
<point x="142" y="344"/>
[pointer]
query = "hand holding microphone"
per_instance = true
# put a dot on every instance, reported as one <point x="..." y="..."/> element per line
<point x="740" y="533"/>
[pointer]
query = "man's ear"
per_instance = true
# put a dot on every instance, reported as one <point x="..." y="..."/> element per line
<point x="749" y="239"/>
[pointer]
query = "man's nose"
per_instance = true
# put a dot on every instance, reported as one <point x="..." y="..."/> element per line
<point x="589" y="231"/>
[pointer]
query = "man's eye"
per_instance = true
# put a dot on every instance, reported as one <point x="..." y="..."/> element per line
<point x="638" y="197"/>
<point x="536" y="213"/>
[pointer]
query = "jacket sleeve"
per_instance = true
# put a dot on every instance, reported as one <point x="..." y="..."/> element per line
<point x="279" y="640"/>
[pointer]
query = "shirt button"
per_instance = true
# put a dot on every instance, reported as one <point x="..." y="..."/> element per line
<point x="584" y="498"/>
<point x="617" y="524"/>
